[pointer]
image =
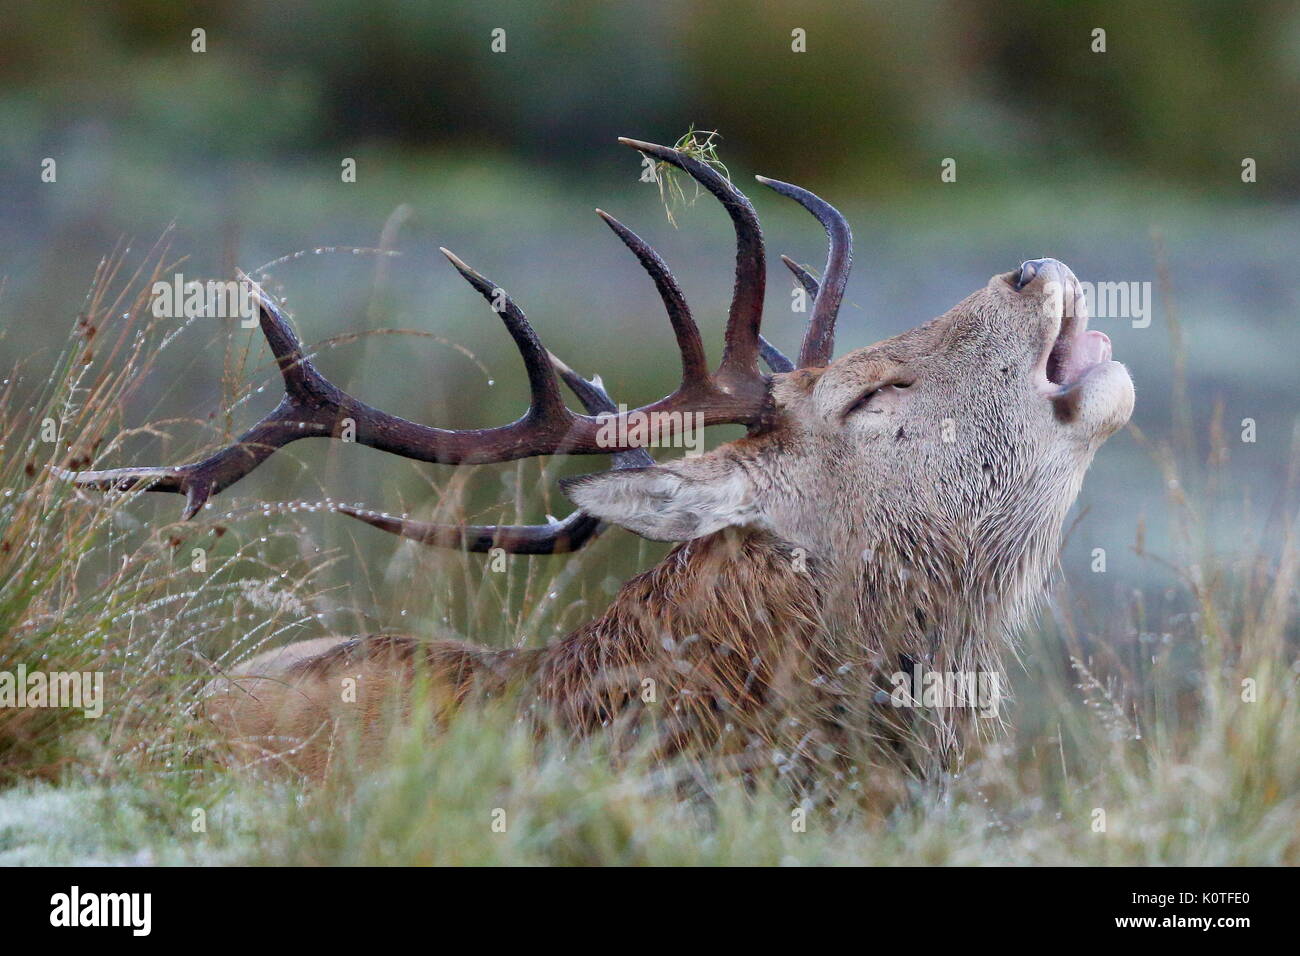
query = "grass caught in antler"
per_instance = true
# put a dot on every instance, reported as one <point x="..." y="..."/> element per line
<point x="697" y="144"/>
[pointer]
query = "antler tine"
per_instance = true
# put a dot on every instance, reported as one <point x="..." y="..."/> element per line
<point x="776" y="359"/>
<point x="819" y="341"/>
<point x="804" y="277"/>
<point x="554" y="537"/>
<point x="695" y="364"/>
<point x="546" y="400"/>
<point x="695" y="369"/>
<point x="300" y="376"/>
<point x="739" y="367"/>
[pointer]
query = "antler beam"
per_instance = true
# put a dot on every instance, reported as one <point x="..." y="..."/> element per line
<point x="554" y="537"/>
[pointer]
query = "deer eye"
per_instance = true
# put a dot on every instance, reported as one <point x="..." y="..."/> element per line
<point x="864" y="400"/>
<point x="861" y="402"/>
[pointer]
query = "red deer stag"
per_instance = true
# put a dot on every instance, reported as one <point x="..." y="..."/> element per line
<point x="897" y="509"/>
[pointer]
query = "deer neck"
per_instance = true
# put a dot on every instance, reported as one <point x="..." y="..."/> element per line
<point x="706" y="628"/>
<point x="722" y="589"/>
<point x="740" y="617"/>
<point x="918" y="590"/>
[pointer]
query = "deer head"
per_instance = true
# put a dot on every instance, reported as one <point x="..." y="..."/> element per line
<point x="940" y="461"/>
<point x="953" y="450"/>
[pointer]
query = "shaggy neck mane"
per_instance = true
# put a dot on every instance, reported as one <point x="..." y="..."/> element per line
<point x="739" y="620"/>
<point x="711" y="626"/>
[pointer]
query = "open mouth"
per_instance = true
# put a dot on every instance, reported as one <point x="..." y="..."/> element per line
<point x="1075" y="354"/>
<point x="1074" y="371"/>
<point x="1076" y="350"/>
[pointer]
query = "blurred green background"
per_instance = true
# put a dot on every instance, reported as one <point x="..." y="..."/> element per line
<point x="1112" y="162"/>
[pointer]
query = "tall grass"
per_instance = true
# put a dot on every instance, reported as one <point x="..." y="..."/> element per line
<point x="84" y="586"/>
<point x="1165" y="729"/>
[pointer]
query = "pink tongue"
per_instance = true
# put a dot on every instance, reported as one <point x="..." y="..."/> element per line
<point x="1088" y="349"/>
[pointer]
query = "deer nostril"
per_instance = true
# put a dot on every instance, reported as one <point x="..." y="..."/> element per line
<point x="1033" y="268"/>
<point x="1028" y="270"/>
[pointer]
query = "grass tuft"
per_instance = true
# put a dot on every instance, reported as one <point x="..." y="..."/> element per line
<point x="701" y="145"/>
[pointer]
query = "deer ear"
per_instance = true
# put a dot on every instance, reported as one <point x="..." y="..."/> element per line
<point x="676" y="502"/>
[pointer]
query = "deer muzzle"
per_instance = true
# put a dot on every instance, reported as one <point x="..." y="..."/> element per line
<point x="1074" y="350"/>
<point x="1075" y="371"/>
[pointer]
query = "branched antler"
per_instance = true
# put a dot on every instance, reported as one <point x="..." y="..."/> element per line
<point x="735" y="392"/>
<point x="554" y="537"/>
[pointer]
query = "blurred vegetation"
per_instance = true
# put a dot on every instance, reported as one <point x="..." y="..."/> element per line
<point x="885" y="89"/>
